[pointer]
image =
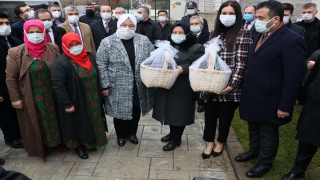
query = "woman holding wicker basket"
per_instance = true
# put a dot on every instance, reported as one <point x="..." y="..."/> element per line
<point x="234" y="42"/>
<point x="176" y="106"/>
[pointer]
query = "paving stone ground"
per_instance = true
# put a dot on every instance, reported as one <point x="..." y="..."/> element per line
<point x="131" y="162"/>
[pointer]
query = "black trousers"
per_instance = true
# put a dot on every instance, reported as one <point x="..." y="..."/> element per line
<point x="264" y="140"/>
<point x="125" y="128"/>
<point x="9" y="122"/>
<point x="177" y="132"/>
<point x="224" y="111"/>
<point x="304" y="156"/>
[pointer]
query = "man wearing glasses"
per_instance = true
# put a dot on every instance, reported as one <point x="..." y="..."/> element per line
<point x="24" y="12"/>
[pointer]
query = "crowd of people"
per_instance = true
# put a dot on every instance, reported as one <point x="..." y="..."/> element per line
<point x="60" y="75"/>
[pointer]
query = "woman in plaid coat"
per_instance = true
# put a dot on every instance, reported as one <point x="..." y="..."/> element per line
<point x="235" y="43"/>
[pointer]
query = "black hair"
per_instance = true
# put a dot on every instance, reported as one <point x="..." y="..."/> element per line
<point x="17" y="9"/>
<point x="275" y="8"/>
<point x="4" y="16"/>
<point x="53" y="5"/>
<point x="162" y="10"/>
<point x="231" y="35"/>
<point x="254" y="7"/>
<point x="36" y="13"/>
<point x="288" y="7"/>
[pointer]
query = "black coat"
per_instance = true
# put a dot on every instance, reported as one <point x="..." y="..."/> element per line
<point x="273" y="77"/>
<point x="17" y="29"/>
<point x="166" y="30"/>
<point x="70" y="92"/>
<point x="309" y="122"/>
<point x="99" y="32"/>
<point x="150" y="29"/>
<point x="176" y="106"/>
<point x="203" y="37"/>
<point x="186" y="19"/>
<point x="58" y="32"/>
<point x="89" y="20"/>
<point x="295" y="28"/>
<point x="3" y="63"/>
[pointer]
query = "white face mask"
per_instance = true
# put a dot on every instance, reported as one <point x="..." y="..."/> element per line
<point x="195" y="29"/>
<point x="31" y="14"/>
<point x="118" y="16"/>
<point x="190" y="11"/>
<point x="261" y="26"/>
<point x="178" y="38"/>
<point x="162" y="19"/>
<point x="106" y="16"/>
<point x="307" y="17"/>
<point x="75" y="50"/>
<point x="5" y="30"/>
<point x="47" y="24"/>
<point x="74" y="19"/>
<point x="227" y="20"/>
<point x="35" y="38"/>
<point x="125" y="33"/>
<point x="286" y="19"/>
<point x="56" y="14"/>
<point x="140" y="17"/>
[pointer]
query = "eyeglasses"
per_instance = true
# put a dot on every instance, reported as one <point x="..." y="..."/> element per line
<point x="27" y="10"/>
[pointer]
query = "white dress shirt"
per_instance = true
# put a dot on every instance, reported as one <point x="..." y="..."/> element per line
<point x="104" y="23"/>
<point x="79" y="30"/>
<point x="250" y="24"/>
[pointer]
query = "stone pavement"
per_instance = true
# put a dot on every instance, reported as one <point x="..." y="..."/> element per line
<point x="143" y="161"/>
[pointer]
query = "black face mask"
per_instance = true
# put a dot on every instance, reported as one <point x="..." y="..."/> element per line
<point x="90" y="13"/>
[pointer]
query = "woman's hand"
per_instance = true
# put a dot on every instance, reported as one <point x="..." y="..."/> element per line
<point x="226" y="90"/>
<point x="106" y="92"/>
<point x="180" y="70"/>
<point x="70" y="110"/>
<point x="310" y="64"/>
<point x="1" y="99"/>
<point x="17" y="104"/>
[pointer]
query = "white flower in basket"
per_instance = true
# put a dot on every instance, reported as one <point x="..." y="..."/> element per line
<point x="160" y="69"/>
<point x="210" y="73"/>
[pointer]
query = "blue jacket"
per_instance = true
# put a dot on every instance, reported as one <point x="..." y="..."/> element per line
<point x="17" y="28"/>
<point x="273" y="77"/>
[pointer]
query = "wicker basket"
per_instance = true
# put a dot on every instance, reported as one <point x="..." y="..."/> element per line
<point x="155" y="77"/>
<point x="209" y="80"/>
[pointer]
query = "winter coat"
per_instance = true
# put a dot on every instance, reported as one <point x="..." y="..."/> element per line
<point x="116" y="74"/>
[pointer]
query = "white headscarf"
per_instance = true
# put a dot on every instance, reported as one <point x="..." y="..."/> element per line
<point x="124" y="17"/>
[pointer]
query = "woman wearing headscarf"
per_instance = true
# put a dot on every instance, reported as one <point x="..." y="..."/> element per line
<point x="119" y="57"/>
<point x="30" y="88"/>
<point x="76" y="83"/>
<point x="176" y="107"/>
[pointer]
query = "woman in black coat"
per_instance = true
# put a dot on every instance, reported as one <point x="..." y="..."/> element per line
<point x="176" y="107"/>
<point x="308" y="133"/>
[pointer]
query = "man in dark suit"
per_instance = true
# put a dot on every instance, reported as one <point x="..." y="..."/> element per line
<point x="249" y="20"/>
<point x="271" y="84"/>
<point x="192" y="10"/>
<point x="164" y="24"/>
<point x="56" y="14"/>
<point x="104" y="27"/>
<point x="23" y="11"/>
<point x="288" y="13"/>
<point x="8" y="117"/>
<point x="53" y="32"/>
<point x="90" y="15"/>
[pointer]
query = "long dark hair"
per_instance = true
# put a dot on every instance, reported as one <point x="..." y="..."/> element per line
<point x="231" y="35"/>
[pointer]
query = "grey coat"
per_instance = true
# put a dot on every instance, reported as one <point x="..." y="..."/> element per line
<point x="116" y="74"/>
<point x="176" y="106"/>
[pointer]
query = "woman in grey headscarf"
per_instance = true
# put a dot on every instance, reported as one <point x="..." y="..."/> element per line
<point x="119" y="57"/>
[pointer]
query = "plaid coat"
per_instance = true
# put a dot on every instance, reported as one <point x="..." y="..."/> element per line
<point x="116" y="74"/>
<point x="236" y="58"/>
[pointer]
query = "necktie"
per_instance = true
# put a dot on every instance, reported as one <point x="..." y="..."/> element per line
<point x="76" y="29"/>
<point x="48" y="37"/>
<point x="107" y="27"/>
<point x="8" y="44"/>
<point x="265" y="36"/>
<point x="247" y="24"/>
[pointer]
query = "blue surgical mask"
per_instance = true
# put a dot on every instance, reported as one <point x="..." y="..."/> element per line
<point x="248" y="17"/>
<point x="190" y="11"/>
<point x="139" y="17"/>
<point x="178" y="38"/>
<point x="261" y="26"/>
<point x="195" y="29"/>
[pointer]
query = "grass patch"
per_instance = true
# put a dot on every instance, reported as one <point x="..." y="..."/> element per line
<point x="286" y="152"/>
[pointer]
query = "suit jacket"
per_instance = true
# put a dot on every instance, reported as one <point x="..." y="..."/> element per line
<point x="273" y="77"/>
<point x="99" y="32"/>
<point x="3" y="63"/>
<point x="61" y="19"/>
<point x="203" y="37"/>
<point x="295" y="28"/>
<point x="17" y="29"/>
<point x="58" y="32"/>
<point x="85" y="33"/>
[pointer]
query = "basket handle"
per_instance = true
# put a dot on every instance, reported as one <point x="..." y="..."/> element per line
<point x="166" y="60"/>
<point x="212" y="60"/>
